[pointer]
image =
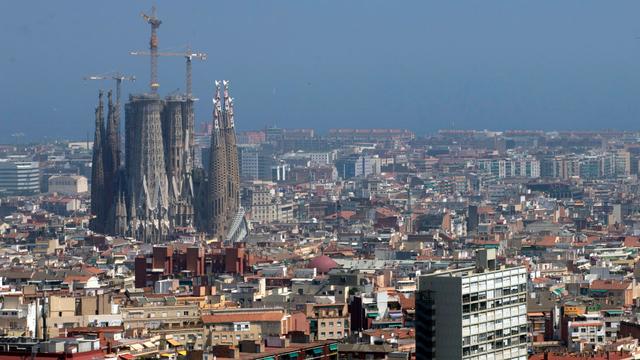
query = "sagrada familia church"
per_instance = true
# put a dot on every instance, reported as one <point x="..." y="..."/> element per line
<point x="153" y="190"/>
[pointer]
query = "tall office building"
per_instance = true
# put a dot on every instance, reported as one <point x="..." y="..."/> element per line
<point x="472" y="219"/>
<point x="473" y="313"/>
<point x="355" y="165"/>
<point x="19" y="177"/>
<point x="256" y="161"/>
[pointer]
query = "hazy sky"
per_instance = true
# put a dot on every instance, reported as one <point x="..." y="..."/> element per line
<point x="418" y="64"/>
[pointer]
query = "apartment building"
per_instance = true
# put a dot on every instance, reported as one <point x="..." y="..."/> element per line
<point x="587" y="333"/>
<point x="148" y="314"/>
<point x="473" y="313"/>
<point x="328" y="321"/>
<point x="231" y="326"/>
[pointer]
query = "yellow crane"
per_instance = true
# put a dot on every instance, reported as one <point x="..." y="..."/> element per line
<point x="188" y="55"/>
<point x="118" y="77"/>
<point x="153" y="47"/>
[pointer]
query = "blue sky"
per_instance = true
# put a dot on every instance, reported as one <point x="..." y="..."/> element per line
<point x="422" y="64"/>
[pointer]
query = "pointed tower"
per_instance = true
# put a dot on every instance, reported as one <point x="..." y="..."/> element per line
<point x="133" y="217"/>
<point x="112" y="146"/>
<point x="98" y="210"/>
<point x="231" y="152"/>
<point x="146" y="176"/>
<point x="121" y="225"/>
<point x="111" y="160"/>
<point x="217" y="185"/>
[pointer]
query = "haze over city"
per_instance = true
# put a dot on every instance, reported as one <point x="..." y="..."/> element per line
<point x="319" y="180"/>
<point x="422" y="65"/>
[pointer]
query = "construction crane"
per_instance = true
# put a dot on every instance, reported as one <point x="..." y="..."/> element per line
<point x="118" y="77"/>
<point x="188" y="55"/>
<point x="153" y="48"/>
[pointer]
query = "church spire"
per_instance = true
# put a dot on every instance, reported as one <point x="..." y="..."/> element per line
<point x="218" y="207"/>
<point x="97" y="172"/>
<point x="231" y="152"/>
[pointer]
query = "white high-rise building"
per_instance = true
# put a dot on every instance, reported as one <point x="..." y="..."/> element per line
<point x="474" y="313"/>
<point x="19" y="177"/>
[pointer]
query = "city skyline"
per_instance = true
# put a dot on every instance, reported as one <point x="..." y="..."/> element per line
<point x="437" y="65"/>
<point x="371" y="180"/>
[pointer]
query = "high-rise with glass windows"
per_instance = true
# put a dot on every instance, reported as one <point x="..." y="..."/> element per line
<point x="473" y="313"/>
<point x="19" y="177"/>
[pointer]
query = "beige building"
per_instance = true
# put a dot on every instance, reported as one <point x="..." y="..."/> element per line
<point x="267" y="206"/>
<point x="68" y="184"/>
<point x="47" y="246"/>
<point x="328" y="321"/>
<point x="148" y="315"/>
<point x="68" y="312"/>
<point x="229" y="327"/>
<point x="17" y="316"/>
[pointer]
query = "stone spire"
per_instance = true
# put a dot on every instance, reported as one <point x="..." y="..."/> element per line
<point x="112" y="146"/>
<point x="121" y="225"/>
<point x="231" y="152"/>
<point x="218" y="181"/>
<point x="98" y="209"/>
<point x="145" y="180"/>
<point x="111" y="160"/>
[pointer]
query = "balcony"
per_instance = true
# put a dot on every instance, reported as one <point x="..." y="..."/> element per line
<point x="13" y="313"/>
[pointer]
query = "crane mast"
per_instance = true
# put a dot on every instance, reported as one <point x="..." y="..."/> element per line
<point x="153" y="48"/>
<point x="189" y="82"/>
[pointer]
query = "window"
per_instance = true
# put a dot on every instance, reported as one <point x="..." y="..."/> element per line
<point x="242" y="326"/>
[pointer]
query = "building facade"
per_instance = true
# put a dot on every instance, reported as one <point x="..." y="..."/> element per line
<point x="473" y="313"/>
<point x="68" y="184"/>
<point x="19" y="177"/>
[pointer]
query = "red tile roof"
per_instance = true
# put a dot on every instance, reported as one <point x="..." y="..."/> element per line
<point x="78" y="278"/>
<point x="222" y="318"/>
<point x="609" y="285"/>
<point x="581" y="324"/>
<point x="632" y="241"/>
<point x="600" y="356"/>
